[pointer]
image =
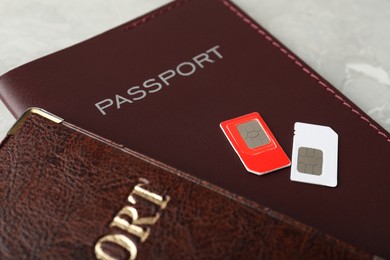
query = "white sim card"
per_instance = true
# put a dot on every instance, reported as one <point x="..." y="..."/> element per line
<point x="314" y="155"/>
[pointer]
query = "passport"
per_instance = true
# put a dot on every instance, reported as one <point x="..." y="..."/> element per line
<point x="66" y="193"/>
<point x="162" y="84"/>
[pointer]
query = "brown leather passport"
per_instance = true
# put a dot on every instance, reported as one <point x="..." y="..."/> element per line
<point x="162" y="84"/>
<point x="68" y="194"/>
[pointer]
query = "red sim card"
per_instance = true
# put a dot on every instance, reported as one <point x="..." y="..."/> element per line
<point x="255" y="144"/>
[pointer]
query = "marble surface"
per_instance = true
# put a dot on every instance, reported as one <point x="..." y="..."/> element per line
<point x="345" y="41"/>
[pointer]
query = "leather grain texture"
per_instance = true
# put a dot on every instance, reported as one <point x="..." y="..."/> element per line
<point x="60" y="187"/>
<point x="179" y="125"/>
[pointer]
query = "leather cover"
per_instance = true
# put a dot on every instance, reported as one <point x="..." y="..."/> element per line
<point x="179" y="123"/>
<point x="60" y="187"/>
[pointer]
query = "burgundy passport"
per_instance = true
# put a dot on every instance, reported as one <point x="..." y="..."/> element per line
<point x="162" y="84"/>
<point x="68" y="194"/>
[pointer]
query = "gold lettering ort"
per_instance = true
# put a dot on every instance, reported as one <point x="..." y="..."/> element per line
<point x="132" y="228"/>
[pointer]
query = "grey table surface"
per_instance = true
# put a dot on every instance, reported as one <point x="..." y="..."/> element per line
<point x="347" y="41"/>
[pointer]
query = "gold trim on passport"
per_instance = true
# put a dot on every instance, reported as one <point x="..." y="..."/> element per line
<point x="37" y="111"/>
<point x="131" y="224"/>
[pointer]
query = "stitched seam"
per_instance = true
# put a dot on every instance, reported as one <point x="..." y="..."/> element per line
<point x="299" y="64"/>
<point x="155" y="14"/>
